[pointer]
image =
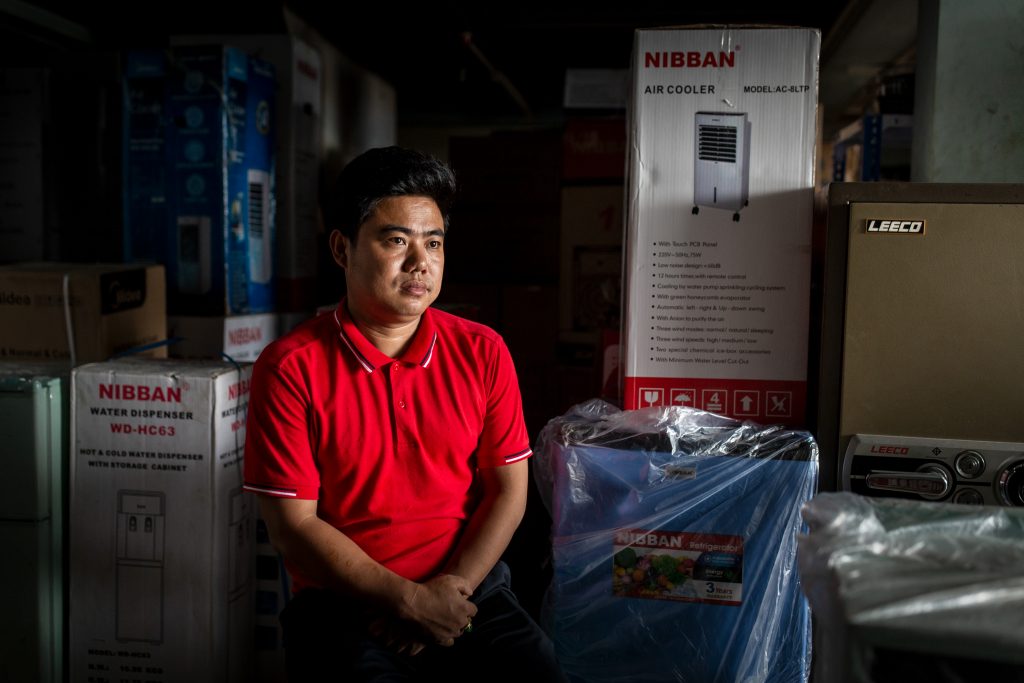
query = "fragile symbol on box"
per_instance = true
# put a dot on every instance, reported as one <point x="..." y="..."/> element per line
<point x="746" y="402"/>
<point x="651" y="397"/>
<point x="683" y="397"/>
<point x="779" y="403"/>
<point x="714" y="400"/>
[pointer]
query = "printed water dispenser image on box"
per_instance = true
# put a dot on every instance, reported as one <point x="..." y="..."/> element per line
<point x="721" y="169"/>
<point x="674" y="545"/>
<point x="140" y="566"/>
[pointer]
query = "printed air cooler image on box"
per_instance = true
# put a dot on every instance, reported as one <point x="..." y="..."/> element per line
<point x="721" y="170"/>
<point x="719" y="198"/>
<point x="260" y="251"/>
<point x="674" y="545"/>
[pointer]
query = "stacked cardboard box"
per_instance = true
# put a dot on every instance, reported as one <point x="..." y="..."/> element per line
<point x="238" y="337"/>
<point x="719" y="217"/>
<point x="161" y="534"/>
<point x="78" y="313"/>
<point x="299" y="69"/>
<point x="199" y="193"/>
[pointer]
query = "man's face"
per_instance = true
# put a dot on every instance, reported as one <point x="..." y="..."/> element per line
<point x="393" y="271"/>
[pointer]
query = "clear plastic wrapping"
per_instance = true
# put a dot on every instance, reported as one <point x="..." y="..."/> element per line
<point x="914" y="591"/>
<point x="674" y="545"/>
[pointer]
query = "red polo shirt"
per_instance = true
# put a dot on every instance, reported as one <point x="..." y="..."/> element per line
<point x="389" y="447"/>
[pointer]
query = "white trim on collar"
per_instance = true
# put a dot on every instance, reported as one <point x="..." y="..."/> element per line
<point x="351" y="347"/>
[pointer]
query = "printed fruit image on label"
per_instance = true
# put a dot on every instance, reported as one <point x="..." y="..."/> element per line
<point x="669" y="565"/>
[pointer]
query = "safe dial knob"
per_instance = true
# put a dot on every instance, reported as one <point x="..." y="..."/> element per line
<point x="969" y="464"/>
<point x="1011" y="484"/>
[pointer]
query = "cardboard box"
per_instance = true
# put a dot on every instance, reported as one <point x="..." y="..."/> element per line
<point x="719" y="220"/>
<point x="113" y="308"/>
<point x="33" y="449"/>
<point x="299" y="69"/>
<point x="240" y="337"/>
<point x="591" y="257"/>
<point x="367" y="109"/>
<point x="222" y="183"/>
<point x="161" y="534"/>
<point x="144" y="154"/>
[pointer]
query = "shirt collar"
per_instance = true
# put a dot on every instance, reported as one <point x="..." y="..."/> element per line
<point x="420" y="351"/>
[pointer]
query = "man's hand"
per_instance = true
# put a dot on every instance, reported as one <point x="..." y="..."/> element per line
<point x="395" y="635"/>
<point x="439" y="608"/>
<point x="437" y="611"/>
<point x="434" y="611"/>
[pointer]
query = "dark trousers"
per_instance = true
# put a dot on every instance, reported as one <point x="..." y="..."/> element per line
<point x="326" y="639"/>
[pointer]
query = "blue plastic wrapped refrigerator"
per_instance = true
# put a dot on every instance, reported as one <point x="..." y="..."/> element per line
<point x="674" y="545"/>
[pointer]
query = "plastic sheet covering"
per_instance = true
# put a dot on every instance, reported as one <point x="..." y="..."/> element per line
<point x="914" y="591"/>
<point x="674" y="545"/>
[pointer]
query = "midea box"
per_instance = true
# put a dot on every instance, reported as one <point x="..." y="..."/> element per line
<point x="718" y="234"/>
<point x="76" y="313"/>
<point x="161" y="534"/>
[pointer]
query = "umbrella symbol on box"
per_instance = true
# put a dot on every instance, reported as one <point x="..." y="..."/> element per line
<point x="682" y="397"/>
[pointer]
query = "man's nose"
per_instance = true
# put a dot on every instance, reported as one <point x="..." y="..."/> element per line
<point x="416" y="258"/>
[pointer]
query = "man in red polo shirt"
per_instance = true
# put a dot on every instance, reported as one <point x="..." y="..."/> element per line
<point x="387" y="445"/>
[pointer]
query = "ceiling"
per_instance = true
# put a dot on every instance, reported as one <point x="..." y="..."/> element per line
<point x="471" y="62"/>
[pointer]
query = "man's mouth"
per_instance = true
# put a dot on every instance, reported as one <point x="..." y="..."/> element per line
<point x="416" y="287"/>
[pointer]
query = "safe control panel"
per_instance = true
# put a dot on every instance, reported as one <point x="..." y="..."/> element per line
<point x="948" y="470"/>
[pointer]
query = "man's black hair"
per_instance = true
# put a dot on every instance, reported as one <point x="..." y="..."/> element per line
<point x="386" y="172"/>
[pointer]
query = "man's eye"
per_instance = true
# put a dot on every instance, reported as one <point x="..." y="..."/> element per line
<point x="397" y="240"/>
<point x="435" y="244"/>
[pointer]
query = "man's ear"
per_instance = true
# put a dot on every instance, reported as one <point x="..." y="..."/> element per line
<point x="339" y="248"/>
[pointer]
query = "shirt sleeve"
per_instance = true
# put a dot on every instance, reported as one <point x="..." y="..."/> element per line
<point x="504" y="439"/>
<point x="279" y="460"/>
